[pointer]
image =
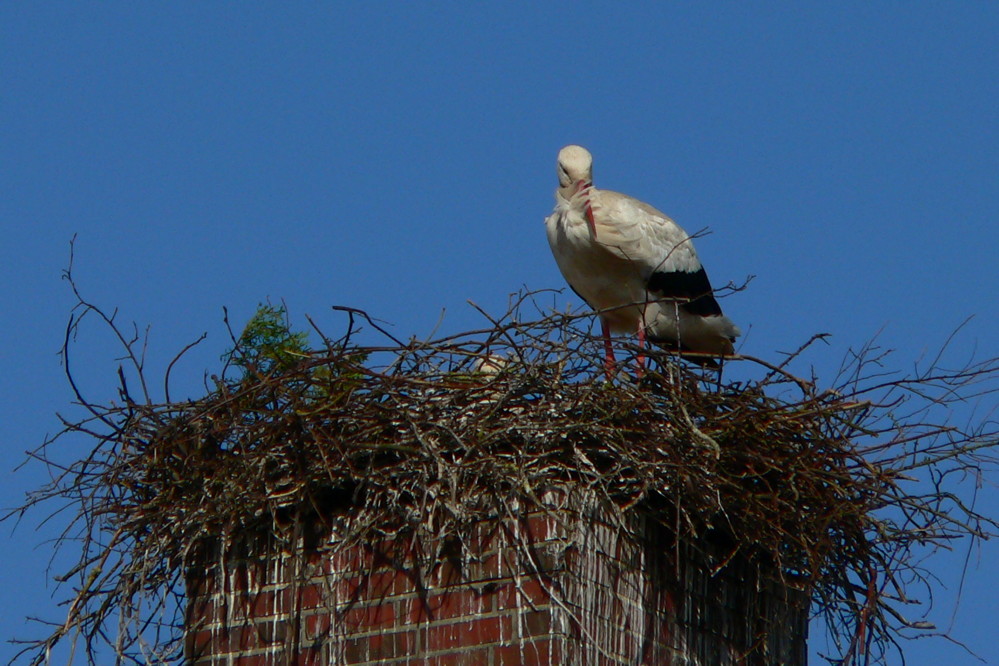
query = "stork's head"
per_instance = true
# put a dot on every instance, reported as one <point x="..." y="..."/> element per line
<point x="575" y="170"/>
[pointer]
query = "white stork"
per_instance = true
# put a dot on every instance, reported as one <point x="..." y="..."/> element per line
<point x="634" y="265"/>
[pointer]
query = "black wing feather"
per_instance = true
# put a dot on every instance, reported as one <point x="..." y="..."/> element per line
<point x="693" y="287"/>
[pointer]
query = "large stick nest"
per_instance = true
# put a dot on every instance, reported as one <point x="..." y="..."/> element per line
<point x="834" y="488"/>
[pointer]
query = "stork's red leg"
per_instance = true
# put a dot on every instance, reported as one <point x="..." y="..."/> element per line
<point x="641" y="348"/>
<point x="609" y="362"/>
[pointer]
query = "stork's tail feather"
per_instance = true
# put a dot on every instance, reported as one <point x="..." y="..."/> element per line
<point x="695" y="356"/>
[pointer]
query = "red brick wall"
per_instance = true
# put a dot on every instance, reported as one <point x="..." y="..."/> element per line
<point x="559" y="583"/>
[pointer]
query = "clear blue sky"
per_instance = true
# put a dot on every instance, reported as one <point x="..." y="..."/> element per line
<point x="401" y="157"/>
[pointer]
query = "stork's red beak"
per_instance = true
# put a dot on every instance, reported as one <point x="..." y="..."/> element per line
<point x="582" y="186"/>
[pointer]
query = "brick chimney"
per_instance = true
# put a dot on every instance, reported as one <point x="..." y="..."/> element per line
<point x="568" y="579"/>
